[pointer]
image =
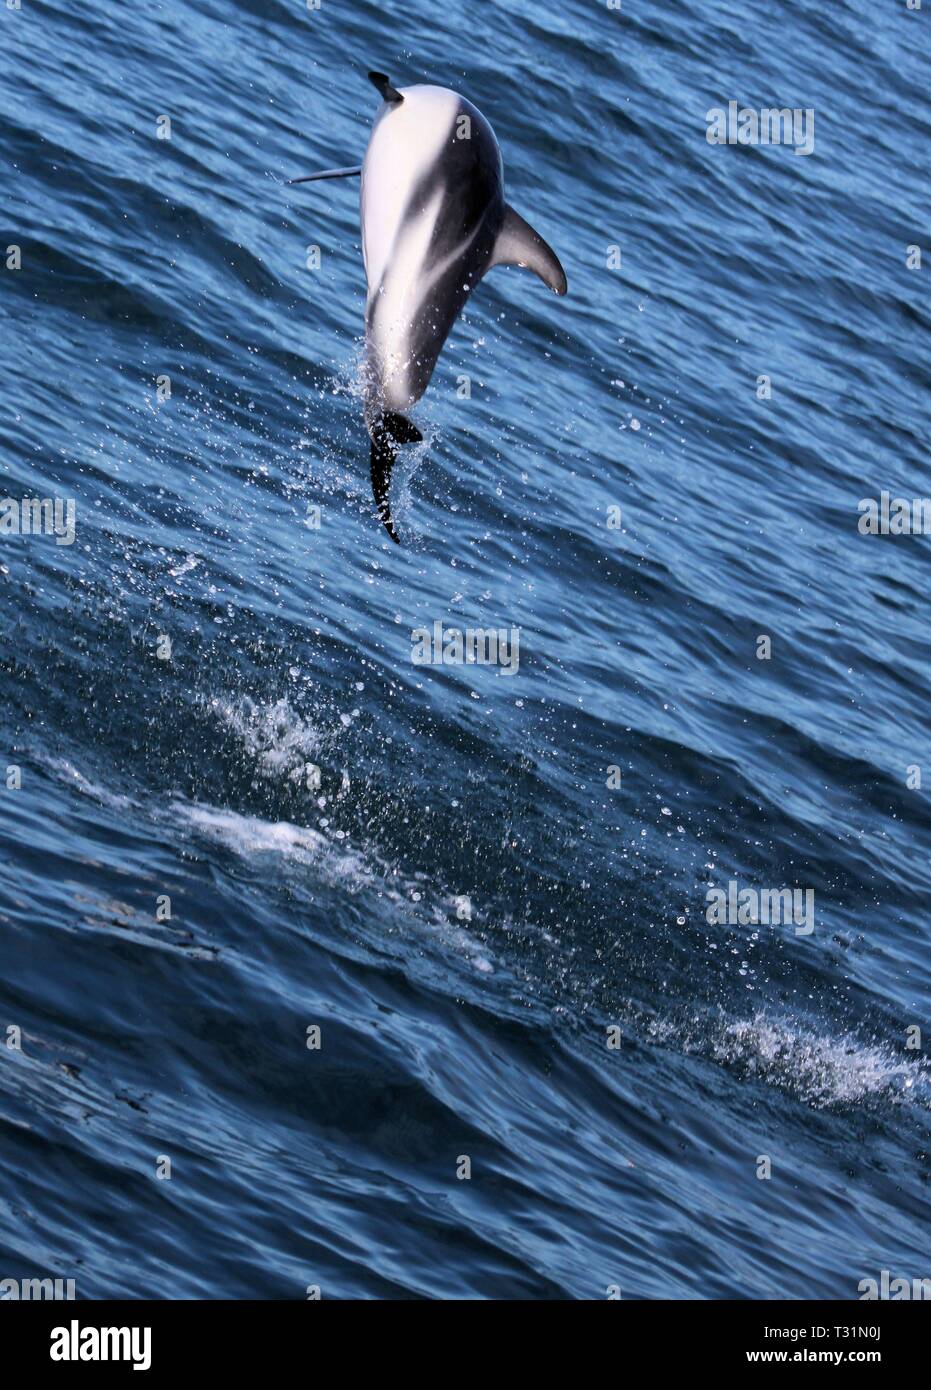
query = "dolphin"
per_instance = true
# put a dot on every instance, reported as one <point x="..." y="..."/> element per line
<point x="434" y="221"/>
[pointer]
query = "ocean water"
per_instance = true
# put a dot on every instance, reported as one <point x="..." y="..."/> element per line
<point x="504" y="945"/>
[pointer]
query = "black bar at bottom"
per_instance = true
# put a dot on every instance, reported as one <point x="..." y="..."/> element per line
<point x="247" y="1338"/>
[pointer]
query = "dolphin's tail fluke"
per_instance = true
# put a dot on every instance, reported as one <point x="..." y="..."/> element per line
<point x="387" y="430"/>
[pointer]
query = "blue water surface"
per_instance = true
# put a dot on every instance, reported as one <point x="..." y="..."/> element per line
<point x="504" y="945"/>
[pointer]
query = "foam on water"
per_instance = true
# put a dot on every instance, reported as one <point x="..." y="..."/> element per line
<point x="278" y="739"/>
<point x="251" y="837"/>
<point x="69" y="774"/>
<point x="823" y="1070"/>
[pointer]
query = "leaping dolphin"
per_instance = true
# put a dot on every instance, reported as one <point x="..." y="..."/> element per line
<point x="434" y="220"/>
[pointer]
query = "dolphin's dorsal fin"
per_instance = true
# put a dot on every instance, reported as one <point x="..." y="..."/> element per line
<point x="383" y="83"/>
<point x="519" y="244"/>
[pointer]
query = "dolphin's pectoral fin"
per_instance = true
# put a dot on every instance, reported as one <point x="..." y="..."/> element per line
<point x="329" y="174"/>
<point x="386" y="431"/>
<point x="383" y="83"/>
<point x="519" y="244"/>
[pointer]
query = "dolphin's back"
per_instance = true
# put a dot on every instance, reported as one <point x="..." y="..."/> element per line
<point x="432" y="206"/>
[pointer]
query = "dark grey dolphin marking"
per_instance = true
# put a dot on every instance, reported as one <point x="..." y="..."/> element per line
<point x="434" y="221"/>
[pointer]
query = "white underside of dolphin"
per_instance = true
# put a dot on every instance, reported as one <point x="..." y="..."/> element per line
<point x="434" y="221"/>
